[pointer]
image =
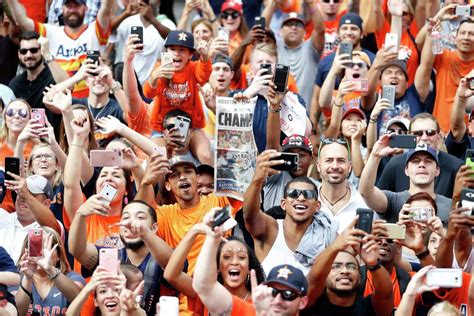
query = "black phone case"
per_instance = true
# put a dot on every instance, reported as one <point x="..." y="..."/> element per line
<point x="403" y="141"/>
<point x="291" y="162"/>
<point x="281" y="78"/>
<point x="268" y="67"/>
<point x="12" y="164"/>
<point x="94" y="56"/>
<point x="220" y="217"/>
<point x="260" y="21"/>
<point x="366" y="217"/>
<point x="468" y="196"/>
<point x="137" y="30"/>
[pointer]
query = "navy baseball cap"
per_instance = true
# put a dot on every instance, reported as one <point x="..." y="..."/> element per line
<point x="180" y="38"/>
<point x="397" y="63"/>
<point x="84" y="2"/>
<point x="351" y="18"/>
<point x="221" y="58"/>
<point x="422" y="148"/>
<point x="289" y="276"/>
<point x="293" y="16"/>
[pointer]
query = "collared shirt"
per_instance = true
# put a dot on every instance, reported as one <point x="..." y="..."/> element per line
<point x="56" y="10"/>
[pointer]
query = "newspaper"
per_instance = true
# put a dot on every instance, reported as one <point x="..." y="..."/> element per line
<point x="236" y="151"/>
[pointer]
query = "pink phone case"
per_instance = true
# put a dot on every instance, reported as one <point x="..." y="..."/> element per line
<point x="106" y="158"/>
<point x="35" y="242"/>
<point x="39" y="115"/>
<point x="108" y="259"/>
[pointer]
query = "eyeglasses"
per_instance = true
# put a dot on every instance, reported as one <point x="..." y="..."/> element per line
<point x="327" y="141"/>
<point x="307" y="194"/>
<point x="41" y="156"/>
<point x="349" y="266"/>
<point x="32" y="50"/>
<point x="233" y="15"/>
<point x="286" y="295"/>
<point x="429" y="133"/>
<point x="359" y="65"/>
<point x="294" y="23"/>
<point x="333" y="1"/>
<point x="396" y="131"/>
<point x="21" y="112"/>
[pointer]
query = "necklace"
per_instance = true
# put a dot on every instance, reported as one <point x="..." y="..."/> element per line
<point x="245" y="298"/>
<point x="335" y="202"/>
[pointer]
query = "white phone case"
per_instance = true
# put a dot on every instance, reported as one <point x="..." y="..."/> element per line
<point x="448" y="278"/>
<point x="108" y="193"/>
<point x="169" y="306"/>
<point x="391" y="39"/>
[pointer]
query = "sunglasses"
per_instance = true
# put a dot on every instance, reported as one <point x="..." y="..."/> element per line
<point x="21" y="112"/>
<point x="429" y="133"/>
<point x="32" y="50"/>
<point x="307" y="194"/>
<point x="333" y="1"/>
<point x="359" y="65"/>
<point x="396" y="131"/>
<point x="327" y="141"/>
<point x="233" y="15"/>
<point x="294" y="23"/>
<point x="286" y="295"/>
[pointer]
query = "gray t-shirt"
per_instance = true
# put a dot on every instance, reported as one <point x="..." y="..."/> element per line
<point x="397" y="199"/>
<point x="303" y="61"/>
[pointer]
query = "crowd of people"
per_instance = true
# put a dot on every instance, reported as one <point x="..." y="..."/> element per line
<point x="110" y="200"/>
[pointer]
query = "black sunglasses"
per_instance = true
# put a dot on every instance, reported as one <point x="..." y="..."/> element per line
<point x="353" y="64"/>
<point x="233" y="15"/>
<point x="429" y="133"/>
<point x="327" y="141"/>
<point x="334" y="1"/>
<point x="32" y="50"/>
<point x="307" y="194"/>
<point x="286" y="295"/>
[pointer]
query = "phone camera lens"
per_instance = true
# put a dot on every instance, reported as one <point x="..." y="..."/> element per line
<point x="181" y="125"/>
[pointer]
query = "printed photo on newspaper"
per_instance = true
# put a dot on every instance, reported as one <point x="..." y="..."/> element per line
<point x="236" y="150"/>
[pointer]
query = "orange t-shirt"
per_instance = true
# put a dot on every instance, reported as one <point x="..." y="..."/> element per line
<point x="243" y="83"/>
<point x="407" y="46"/>
<point x="331" y="38"/>
<point x="450" y="68"/>
<point x="35" y="9"/>
<point x="140" y="122"/>
<point x="369" y="287"/>
<point x="351" y="100"/>
<point x="181" y="92"/>
<point x="234" y="42"/>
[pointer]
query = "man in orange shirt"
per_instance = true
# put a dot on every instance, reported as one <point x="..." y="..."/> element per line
<point x="450" y="67"/>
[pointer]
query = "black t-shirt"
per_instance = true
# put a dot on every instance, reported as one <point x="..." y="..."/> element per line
<point x="322" y="307"/>
<point x="8" y="59"/>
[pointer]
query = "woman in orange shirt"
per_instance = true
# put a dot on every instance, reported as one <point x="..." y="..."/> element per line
<point x="232" y="19"/>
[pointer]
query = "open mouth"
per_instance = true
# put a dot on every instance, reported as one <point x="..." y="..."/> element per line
<point x="184" y="185"/>
<point x="344" y="280"/>
<point x="384" y="251"/>
<point x="393" y="82"/>
<point x="234" y="274"/>
<point x="111" y="305"/>
<point x="221" y="81"/>
<point x="300" y="208"/>
<point x="356" y="75"/>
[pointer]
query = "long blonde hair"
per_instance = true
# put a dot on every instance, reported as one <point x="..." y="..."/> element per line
<point x="4" y="132"/>
<point x="59" y="172"/>
<point x="443" y="307"/>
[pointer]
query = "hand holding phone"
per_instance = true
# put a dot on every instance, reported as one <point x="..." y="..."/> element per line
<point x="108" y="259"/>
<point x="137" y="30"/>
<point x="39" y="115"/>
<point x="467" y="200"/>
<point x="346" y="48"/>
<point x="366" y="217"/>
<point x="388" y="92"/>
<point x="108" y="193"/>
<point x="281" y="78"/>
<point x="360" y="85"/>
<point x="391" y="40"/>
<point x="35" y="242"/>
<point x="402" y="141"/>
<point x="260" y="22"/>
<point x="12" y="164"/>
<point x="290" y="164"/>
<point x="224" y="218"/>
<point x="444" y="278"/>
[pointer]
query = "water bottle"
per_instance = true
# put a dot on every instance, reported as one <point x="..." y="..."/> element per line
<point x="437" y="43"/>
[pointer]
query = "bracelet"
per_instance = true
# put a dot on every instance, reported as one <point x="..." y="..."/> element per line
<point x="55" y="275"/>
<point x="372" y="121"/>
<point x="338" y="105"/>
<point x="423" y="254"/>
<point x="114" y="87"/>
<point x="213" y="20"/>
<point x="374" y="267"/>
<point x="27" y="293"/>
<point x="274" y="111"/>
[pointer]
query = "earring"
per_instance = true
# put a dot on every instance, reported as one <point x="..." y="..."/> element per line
<point x="125" y="200"/>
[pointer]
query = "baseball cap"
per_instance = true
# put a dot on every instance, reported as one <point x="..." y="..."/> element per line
<point x="180" y="38"/>
<point x="297" y="141"/>
<point x="232" y="5"/>
<point x="363" y="56"/>
<point x="293" y="16"/>
<point x="222" y="58"/>
<point x="182" y="160"/>
<point x="351" y="18"/>
<point x="289" y="276"/>
<point x="398" y="63"/>
<point x="353" y="110"/>
<point x="204" y="168"/>
<point x="422" y="148"/>
<point x="84" y="2"/>
<point x="39" y="185"/>
<point x="403" y="122"/>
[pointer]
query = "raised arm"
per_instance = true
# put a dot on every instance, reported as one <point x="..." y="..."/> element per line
<point x="357" y="160"/>
<point x="396" y="10"/>
<point x="274" y="100"/>
<point x="58" y="73"/>
<point x="130" y="85"/>
<point x="146" y="11"/>
<point x="326" y="95"/>
<point x="382" y="104"/>
<point x="156" y="170"/>
<point x="255" y="35"/>
<point x="458" y="127"/>
<point x="317" y="36"/>
<point x="105" y="13"/>
<point x="19" y="14"/>
<point x="334" y="128"/>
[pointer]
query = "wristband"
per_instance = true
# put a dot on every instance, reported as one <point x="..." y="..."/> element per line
<point x="338" y="105"/>
<point x="374" y="267"/>
<point x="423" y="254"/>
<point x="274" y="111"/>
<point x="372" y="121"/>
<point x="213" y="20"/>
<point x="55" y="275"/>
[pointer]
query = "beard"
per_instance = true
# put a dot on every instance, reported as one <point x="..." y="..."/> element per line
<point x="344" y="293"/>
<point x="133" y="245"/>
<point x="34" y="66"/>
<point x="73" y="23"/>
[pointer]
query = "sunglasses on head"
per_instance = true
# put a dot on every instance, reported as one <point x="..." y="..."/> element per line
<point x="307" y="194"/>
<point x="429" y="133"/>
<point x="32" y="50"/>
<point x="396" y="131"/>
<point x="21" y="112"/>
<point x="286" y="295"/>
<point x="233" y="15"/>
<point x="333" y="1"/>
<point x="327" y="141"/>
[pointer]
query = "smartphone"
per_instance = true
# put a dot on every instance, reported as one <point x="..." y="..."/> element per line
<point x="12" y="164"/>
<point x="161" y="151"/>
<point x="108" y="193"/>
<point x="169" y="306"/>
<point x="183" y="124"/>
<point x="260" y="22"/>
<point x="402" y="141"/>
<point x="137" y="30"/>
<point x="395" y="231"/>
<point x="94" y="56"/>
<point x="388" y="92"/>
<point x="420" y="214"/>
<point x="366" y="217"/>
<point x="467" y="200"/>
<point x="463" y="10"/>
<point x="391" y="39"/>
<point x="346" y="48"/>
<point x="106" y="158"/>
<point x="268" y="67"/>
<point x="471" y="83"/>
<point x="223" y="33"/>
<point x="35" y="242"/>
<point x="108" y="259"/>
<point x="281" y="77"/>
<point x="361" y="85"/>
<point x="444" y="278"/>
<point x="290" y="164"/>
<point x="167" y="59"/>
<point x="224" y="218"/>
<point x="39" y="115"/>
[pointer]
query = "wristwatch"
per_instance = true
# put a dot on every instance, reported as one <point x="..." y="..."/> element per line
<point x="374" y="267"/>
<point x="115" y="86"/>
<point x="423" y="254"/>
<point x="55" y="274"/>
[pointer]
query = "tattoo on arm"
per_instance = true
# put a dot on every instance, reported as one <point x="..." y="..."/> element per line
<point x="91" y="262"/>
<point x="227" y="312"/>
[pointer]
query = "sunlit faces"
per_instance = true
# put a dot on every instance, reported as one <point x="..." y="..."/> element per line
<point x="44" y="162"/>
<point x="358" y="69"/>
<point x="134" y="213"/>
<point x="329" y="9"/>
<point x="182" y="182"/>
<point x="300" y="209"/>
<point x="279" y="306"/>
<point x="107" y="300"/>
<point x="350" y="33"/>
<point x="333" y="163"/>
<point x="343" y="280"/>
<point x="231" y="20"/>
<point x="350" y="124"/>
<point x="202" y="33"/>
<point x="16" y="116"/>
<point x="258" y="58"/>
<point x="205" y="184"/>
<point x="181" y="56"/>
<point x="96" y="85"/>
<point x="74" y="13"/>
<point x="115" y="177"/>
<point x="465" y="38"/>
<point x="388" y="250"/>
<point x="29" y="54"/>
<point x="394" y="76"/>
<point x="234" y="264"/>
<point x="426" y="124"/>
<point x="293" y="32"/>
<point x="221" y="76"/>
<point x="422" y="169"/>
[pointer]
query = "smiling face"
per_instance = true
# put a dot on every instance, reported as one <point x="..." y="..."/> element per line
<point x="181" y="56"/>
<point x="134" y="213"/>
<point x="182" y="182"/>
<point x="107" y="300"/>
<point x="422" y="169"/>
<point x="96" y="85"/>
<point x="465" y="38"/>
<point x="202" y="33"/>
<point x="74" y="14"/>
<point x="231" y="20"/>
<point x="282" y="307"/>
<point x="343" y="280"/>
<point x="350" y="33"/>
<point x="115" y="177"/>
<point x="29" y="54"/>
<point x="388" y="250"/>
<point x="300" y="210"/>
<point x="349" y="124"/>
<point x="293" y="32"/>
<point x="234" y="264"/>
<point x="16" y="117"/>
<point x="221" y="76"/>
<point x="44" y="162"/>
<point x="394" y="76"/>
<point x="333" y="163"/>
